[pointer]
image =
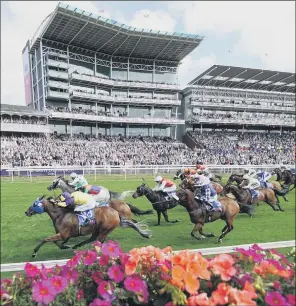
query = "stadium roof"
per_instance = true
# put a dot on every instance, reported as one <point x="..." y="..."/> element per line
<point x="70" y="25"/>
<point x="21" y="110"/>
<point x="246" y="78"/>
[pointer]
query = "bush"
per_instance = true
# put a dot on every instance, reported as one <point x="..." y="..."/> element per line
<point x="105" y="275"/>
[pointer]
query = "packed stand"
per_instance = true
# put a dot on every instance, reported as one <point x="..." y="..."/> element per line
<point x="22" y="120"/>
<point x="86" y="150"/>
<point x="234" y="148"/>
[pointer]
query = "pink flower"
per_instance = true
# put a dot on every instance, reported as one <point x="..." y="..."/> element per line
<point x="71" y="275"/>
<point x="251" y="253"/>
<point x="90" y="257"/>
<point x="6" y="283"/>
<point x="74" y="261"/>
<point x="116" y="273"/>
<point x="97" y="277"/>
<point x="99" y="302"/>
<point x="104" y="260"/>
<point x="42" y="292"/>
<point x="97" y="245"/>
<point x="59" y="284"/>
<point x="111" y="248"/>
<point x="105" y="290"/>
<point x="80" y="295"/>
<point x="291" y="299"/>
<point x="275" y="299"/>
<point x="124" y="257"/>
<point x="136" y="284"/>
<point x="277" y="285"/>
<point x="31" y="270"/>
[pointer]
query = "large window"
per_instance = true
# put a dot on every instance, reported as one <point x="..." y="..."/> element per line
<point x="119" y="74"/>
<point x="136" y="130"/>
<point x="165" y="77"/>
<point x="138" y="75"/>
<point x="118" y="130"/>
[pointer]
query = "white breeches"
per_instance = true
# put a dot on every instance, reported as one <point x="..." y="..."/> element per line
<point x="90" y="205"/>
<point x="103" y="196"/>
<point x="170" y="189"/>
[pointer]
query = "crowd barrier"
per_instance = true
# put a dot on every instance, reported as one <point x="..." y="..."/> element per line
<point x="124" y="172"/>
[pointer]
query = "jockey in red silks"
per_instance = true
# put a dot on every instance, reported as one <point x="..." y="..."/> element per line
<point x="202" y="169"/>
<point x="166" y="186"/>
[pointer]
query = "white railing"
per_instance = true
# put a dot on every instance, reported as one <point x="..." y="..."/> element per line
<point x="124" y="172"/>
<point x="24" y="127"/>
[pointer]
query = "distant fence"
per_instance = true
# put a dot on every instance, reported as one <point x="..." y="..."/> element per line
<point x="125" y="172"/>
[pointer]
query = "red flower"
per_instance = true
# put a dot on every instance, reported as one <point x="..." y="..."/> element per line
<point x="97" y="277"/>
<point x="90" y="257"/>
<point x="74" y="261"/>
<point x="104" y="260"/>
<point x="42" y="292"/>
<point x="31" y="270"/>
<point x="80" y="295"/>
<point x="291" y="299"/>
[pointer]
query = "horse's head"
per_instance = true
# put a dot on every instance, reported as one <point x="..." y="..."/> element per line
<point x="37" y="207"/>
<point x="140" y="191"/>
<point x="57" y="183"/>
<point x="179" y="175"/>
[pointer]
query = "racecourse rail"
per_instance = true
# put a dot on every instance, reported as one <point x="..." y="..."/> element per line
<point x="124" y="171"/>
<point x="13" y="267"/>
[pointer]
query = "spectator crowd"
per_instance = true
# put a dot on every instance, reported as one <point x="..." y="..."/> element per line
<point x="234" y="148"/>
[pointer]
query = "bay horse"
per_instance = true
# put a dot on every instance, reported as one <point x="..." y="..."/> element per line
<point x="123" y="208"/>
<point x="242" y="195"/>
<point x="158" y="201"/>
<point x="198" y="215"/>
<point x="66" y="224"/>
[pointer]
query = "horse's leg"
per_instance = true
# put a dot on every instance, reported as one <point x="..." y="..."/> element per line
<point x="54" y="238"/>
<point x="205" y="234"/>
<point x="165" y="215"/>
<point x="158" y="217"/>
<point x="92" y="238"/>
<point x="197" y="228"/>
<point x="226" y="229"/>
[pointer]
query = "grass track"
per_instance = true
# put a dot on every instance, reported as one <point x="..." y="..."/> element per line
<point x="20" y="234"/>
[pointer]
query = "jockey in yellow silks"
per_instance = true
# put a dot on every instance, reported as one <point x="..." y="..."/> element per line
<point x="82" y="201"/>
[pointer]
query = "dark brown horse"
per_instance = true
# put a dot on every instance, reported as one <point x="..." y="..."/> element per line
<point x="242" y="195"/>
<point x="66" y="224"/>
<point x="286" y="176"/>
<point x="198" y="215"/>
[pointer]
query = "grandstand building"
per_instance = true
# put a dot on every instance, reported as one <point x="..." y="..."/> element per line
<point x="240" y="99"/>
<point x="95" y="76"/>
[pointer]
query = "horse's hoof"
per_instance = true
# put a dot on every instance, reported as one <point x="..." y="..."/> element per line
<point x="219" y="240"/>
<point x="282" y="210"/>
<point x="176" y="221"/>
<point x="34" y="255"/>
<point x="211" y="235"/>
<point x="66" y="247"/>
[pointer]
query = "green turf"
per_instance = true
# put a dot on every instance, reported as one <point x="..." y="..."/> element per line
<point x="20" y="234"/>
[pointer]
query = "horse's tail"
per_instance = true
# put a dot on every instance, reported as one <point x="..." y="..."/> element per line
<point x="280" y="193"/>
<point x="138" y="212"/>
<point x="141" y="227"/>
<point x="120" y="196"/>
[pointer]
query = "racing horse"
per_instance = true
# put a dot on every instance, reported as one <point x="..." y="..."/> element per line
<point x="242" y="195"/>
<point x="214" y="178"/>
<point x="158" y="201"/>
<point x="66" y="224"/>
<point x="287" y="177"/>
<point x="123" y="208"/>
<point x="198" y="215"/>
<point x="275" y="186"/>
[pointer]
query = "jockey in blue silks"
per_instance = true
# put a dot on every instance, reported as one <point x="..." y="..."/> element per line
<point x="263" y="177"/>
<point x="206" y="194"/>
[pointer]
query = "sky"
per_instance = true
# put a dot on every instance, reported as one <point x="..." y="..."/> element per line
<point x="251" y="34"/>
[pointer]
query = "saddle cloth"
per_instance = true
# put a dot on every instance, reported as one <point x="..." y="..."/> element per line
<point x="102" y="204"/>
<point x="86" y="217"/>
<point x="254" y="193"/>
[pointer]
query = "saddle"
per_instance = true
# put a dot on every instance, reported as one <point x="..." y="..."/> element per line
<point x="254" y="194"/>
<point x="86" y="218"/>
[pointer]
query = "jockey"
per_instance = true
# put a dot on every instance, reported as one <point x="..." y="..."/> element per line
<point x="82" y="201"/>
<point x="165" y="186"/>
<point x="253" y="183"/>
<point x="263" y="177"/>
<point x="189" y="172"/>
<point x="78" y="182"/>
<point x="205" y="192"/>
<point x="202" y="169"/>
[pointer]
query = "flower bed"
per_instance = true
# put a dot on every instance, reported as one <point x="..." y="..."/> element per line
<point x="105" y="276"/>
